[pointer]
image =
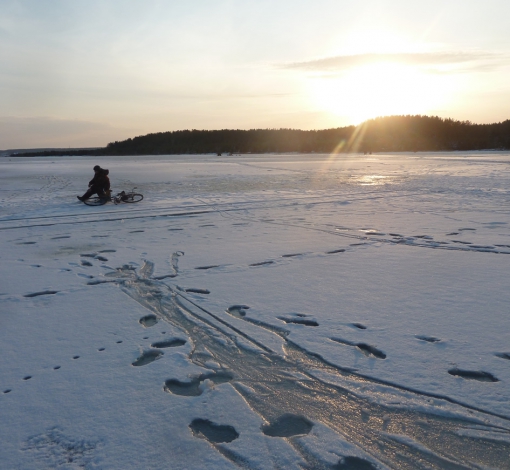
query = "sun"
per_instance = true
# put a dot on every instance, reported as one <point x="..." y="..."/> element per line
<point x="380" y="89"/>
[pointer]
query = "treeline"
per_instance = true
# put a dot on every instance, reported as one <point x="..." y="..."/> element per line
<point x="232" y="141"/>
<point x="384" y="134"/>
<point x="424" y="133"/>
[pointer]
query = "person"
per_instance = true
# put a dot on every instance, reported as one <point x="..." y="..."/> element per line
<point x="99" y="185"/>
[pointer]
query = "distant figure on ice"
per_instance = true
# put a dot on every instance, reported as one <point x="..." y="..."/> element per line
<point x="99" y="185"/>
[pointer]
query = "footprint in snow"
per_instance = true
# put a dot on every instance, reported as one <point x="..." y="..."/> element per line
<point x="353" y="463"/>
<point x="164" y="276"/>
<point x="193" y="290"/>
<point x="263" y="263"/>
<point x="367" y="349"/>
<point x="86" y="276"/>
<point x="45" y="292"/>
<point x="503" y="355"/>
<point x="299" y="320"/>
<point x="147" y="357"/>
<point x="192" y="388"/>
<point x="215" y="433"/>
<point x="170" y="343"/>
<point x="96" y="282"/>
<point x="481" y="376"/>
<point x="428" y="339"/>
<point x="148" y="320"/>
<point x="238" y="311"/>
<point x="185" y="389"/>
<point x="360" y="326"/>
<point x="288" y="425"/>
<point x="292" y="255"/>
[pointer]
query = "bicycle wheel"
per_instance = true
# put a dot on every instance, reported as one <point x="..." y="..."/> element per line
<point x="132" y="197"/>
<point x="95" y="201"/>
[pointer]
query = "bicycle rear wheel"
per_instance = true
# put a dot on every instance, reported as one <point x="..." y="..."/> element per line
<point x="95" y="201"/>
<point x="132" y="197"/>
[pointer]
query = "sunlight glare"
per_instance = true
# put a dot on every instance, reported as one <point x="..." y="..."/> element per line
<point x="370" y="180"/>
<point x="380" y="89"/>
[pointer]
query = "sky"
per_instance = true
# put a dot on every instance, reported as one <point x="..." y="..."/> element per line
<point x="83" y="73"/>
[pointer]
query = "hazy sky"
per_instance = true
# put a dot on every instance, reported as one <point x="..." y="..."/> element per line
<point x="87" y="72"/>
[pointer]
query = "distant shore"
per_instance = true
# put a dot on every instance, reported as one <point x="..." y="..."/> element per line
<point x="30" y="153"/>
<point x="385" y="134"/>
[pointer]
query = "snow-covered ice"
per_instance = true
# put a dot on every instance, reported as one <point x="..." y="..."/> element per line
<point x="257" y="311"/>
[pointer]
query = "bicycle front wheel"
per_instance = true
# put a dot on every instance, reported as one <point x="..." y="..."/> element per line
<point x="95" y="201"/>
<point x="132" y="197"/>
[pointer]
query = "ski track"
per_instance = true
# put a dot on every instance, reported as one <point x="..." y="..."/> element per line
<point x="227" y="211"/>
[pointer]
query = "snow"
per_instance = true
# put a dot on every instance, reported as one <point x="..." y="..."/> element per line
<point x="305" y="278"/>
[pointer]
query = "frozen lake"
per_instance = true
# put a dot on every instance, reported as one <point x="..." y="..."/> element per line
<point x="257" y="311"/>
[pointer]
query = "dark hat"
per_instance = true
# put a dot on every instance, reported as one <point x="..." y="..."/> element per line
<point x="97" y="168"/>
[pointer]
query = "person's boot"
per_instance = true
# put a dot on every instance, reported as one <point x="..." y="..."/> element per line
<point x="80" y="198"/>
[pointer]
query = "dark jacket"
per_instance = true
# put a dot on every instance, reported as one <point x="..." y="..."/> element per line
<point x="101" y="180"/>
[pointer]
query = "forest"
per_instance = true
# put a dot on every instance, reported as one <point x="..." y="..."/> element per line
<point x="383" y="134"/>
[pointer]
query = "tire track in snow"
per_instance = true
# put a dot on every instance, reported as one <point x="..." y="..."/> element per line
<point x="192" y="210"/>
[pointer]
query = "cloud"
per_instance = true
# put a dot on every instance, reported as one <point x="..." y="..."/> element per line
<point x="41" y="132"/>
<point x="471" y="60"/>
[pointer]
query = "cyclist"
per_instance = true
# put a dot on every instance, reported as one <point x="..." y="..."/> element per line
<point x="99" y="185"/>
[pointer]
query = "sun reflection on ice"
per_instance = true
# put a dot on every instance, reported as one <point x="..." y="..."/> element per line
<point x="371" y="180"/>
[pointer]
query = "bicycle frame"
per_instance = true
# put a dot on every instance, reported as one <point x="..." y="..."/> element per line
<point x="123" y="196"/>
<point x="118" y="198"/>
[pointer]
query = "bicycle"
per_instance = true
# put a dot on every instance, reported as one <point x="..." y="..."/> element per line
<point x="129" y="197"/>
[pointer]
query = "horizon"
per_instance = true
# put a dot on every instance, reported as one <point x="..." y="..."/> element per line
<point x="5" y="150"/>
<point x="86" y="74"/>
